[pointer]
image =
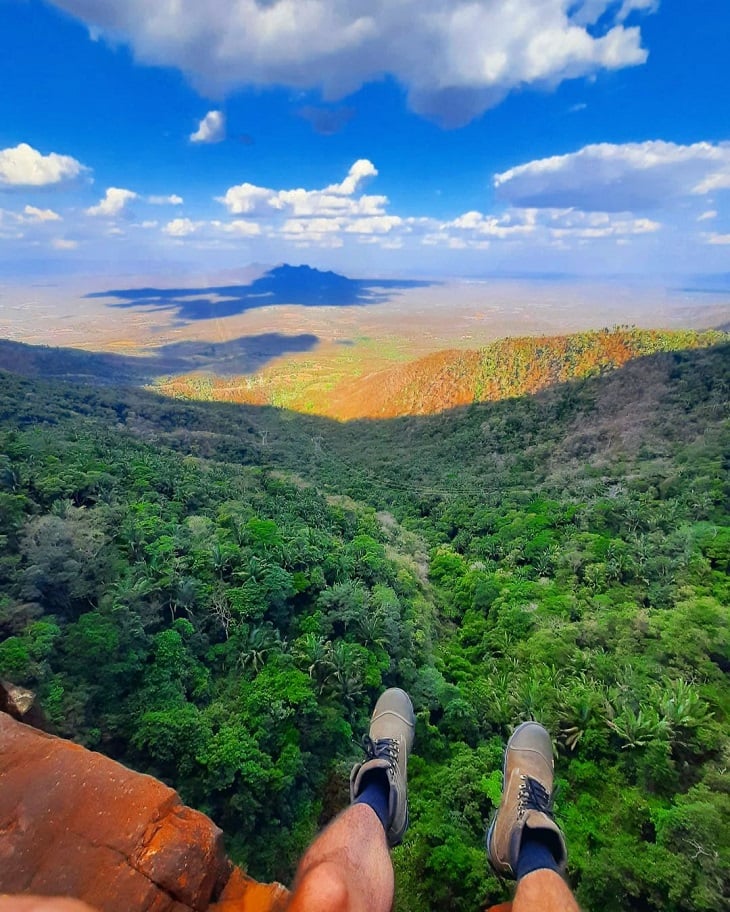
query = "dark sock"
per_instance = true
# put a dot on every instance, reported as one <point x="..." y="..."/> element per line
<point x="536" y="851"/>
<point x="375" y="792"/>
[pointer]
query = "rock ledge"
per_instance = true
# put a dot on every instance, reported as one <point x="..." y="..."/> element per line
<point x="74" y="823"/>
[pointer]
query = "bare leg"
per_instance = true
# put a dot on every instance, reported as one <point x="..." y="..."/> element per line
<point x="41" y="904"/>
<point x="347" y="868"/>
<point x="543" y="891"/>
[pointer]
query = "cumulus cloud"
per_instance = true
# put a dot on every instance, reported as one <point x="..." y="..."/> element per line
<point x="211" y="129"/>
<point x="304" y="217"/>
<point x="172" y="200"/>
<point x="618" y="178"/>
<point x="334" y="200"/>
<point x="341" y="212"/>
<point x="33" y="214"/>
<point x="24" y="166"/>
<point x="508" y="225"/>
<point x="64" y="244"/>
<point x="113" y="202"/>
<point x="181" y="227"/>
<point x="538" y="226"/>
<point x="456" y="58"/>
<point x="245" y="199"/>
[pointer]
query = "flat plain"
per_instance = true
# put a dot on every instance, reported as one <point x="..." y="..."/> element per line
<point x="214" y="330"/>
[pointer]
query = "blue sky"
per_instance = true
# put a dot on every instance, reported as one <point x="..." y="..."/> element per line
<point x="376" y="137"/>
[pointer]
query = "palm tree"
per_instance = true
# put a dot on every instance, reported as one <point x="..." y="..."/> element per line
<point x="370" y="627"/>
<point x="682" y="709"/>
<point x="637" y="729"/>
<point x="256" y="644"/>
<point x="312" y="651"/>
<point x="581" y="705"/>
<point x="185" y="597"/>
<point x="345" y="677"/>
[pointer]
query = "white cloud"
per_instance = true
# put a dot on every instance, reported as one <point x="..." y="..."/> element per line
<point x="321" y="232"/>
<point x="629" y="177"/>
<point x="64" y="244"/>
<point x="24" y="166"/>
<point x="246" y="198"/>
<point x="717" y="180"/>
<point x="113" y="202"/>
<point x="456" y="58"/>
<point x="717" y="239"/>
<point x="181" y="227"/>
<point x="590" y="11"/>
<point x="707" y="216"/>
<point x="630" y="6"/>
<point x="238" y="226"/>
<point x="172" y="200"/>
<point x="33" y="214"/>
<point x="333" y="200"/>
<point x="327" y="217"/>
<point x="311" y="227"/>
<point x="300" y="216"/>
<point x="211" y="129"/>
<point x="538" y="226"/>
<point x="360" y="171"/>
<point x="509" y="225"/>
<point x="375" y="224"/>
<point x="605" y="226"/>
<point x="319" y="202"/>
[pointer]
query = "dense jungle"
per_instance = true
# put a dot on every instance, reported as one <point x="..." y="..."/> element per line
<point x="216" y="593"/>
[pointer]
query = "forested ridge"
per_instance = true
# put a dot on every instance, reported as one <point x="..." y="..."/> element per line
<point x="352" y="387"/>
<point x="215" y="594"/>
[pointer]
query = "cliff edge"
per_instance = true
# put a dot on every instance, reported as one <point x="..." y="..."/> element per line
<point x="74" y="823"/>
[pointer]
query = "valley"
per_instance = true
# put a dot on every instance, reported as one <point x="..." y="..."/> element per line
<point x="214" y="593"/>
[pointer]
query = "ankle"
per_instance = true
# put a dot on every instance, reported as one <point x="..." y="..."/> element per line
<point x="539" y="850"/>
<point x="375" y="793"/>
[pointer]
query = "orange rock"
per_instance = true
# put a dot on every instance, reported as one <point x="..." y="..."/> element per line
<point x="74" y="823"/>
<point x="243" y="894"/>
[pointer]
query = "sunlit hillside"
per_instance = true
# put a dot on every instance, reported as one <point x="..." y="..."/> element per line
<point x="367" y="382"/>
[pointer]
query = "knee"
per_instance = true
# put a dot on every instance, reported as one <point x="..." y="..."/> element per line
<point x="322" y="889"/>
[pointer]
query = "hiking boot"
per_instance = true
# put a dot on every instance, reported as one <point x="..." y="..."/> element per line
<point x="387" y="747"/>
<point x="526" y="800"/>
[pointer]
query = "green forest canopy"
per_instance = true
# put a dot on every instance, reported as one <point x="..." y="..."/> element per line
<point x="216" y="595"/>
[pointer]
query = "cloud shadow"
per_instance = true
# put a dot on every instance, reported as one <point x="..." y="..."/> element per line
<point x="245" y="355"/>
<point x="283" y="285"/>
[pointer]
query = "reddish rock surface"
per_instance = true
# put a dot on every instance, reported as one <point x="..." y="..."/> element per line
<point x="74" y="823"/>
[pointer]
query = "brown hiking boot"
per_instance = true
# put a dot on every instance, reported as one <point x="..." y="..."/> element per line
<point x="526" y="800"/>
<point x="387" y="746"/>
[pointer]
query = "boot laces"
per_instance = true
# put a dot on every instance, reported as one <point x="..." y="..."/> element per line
<point x="533" y="796"/>
<point x="382" y="749"/>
